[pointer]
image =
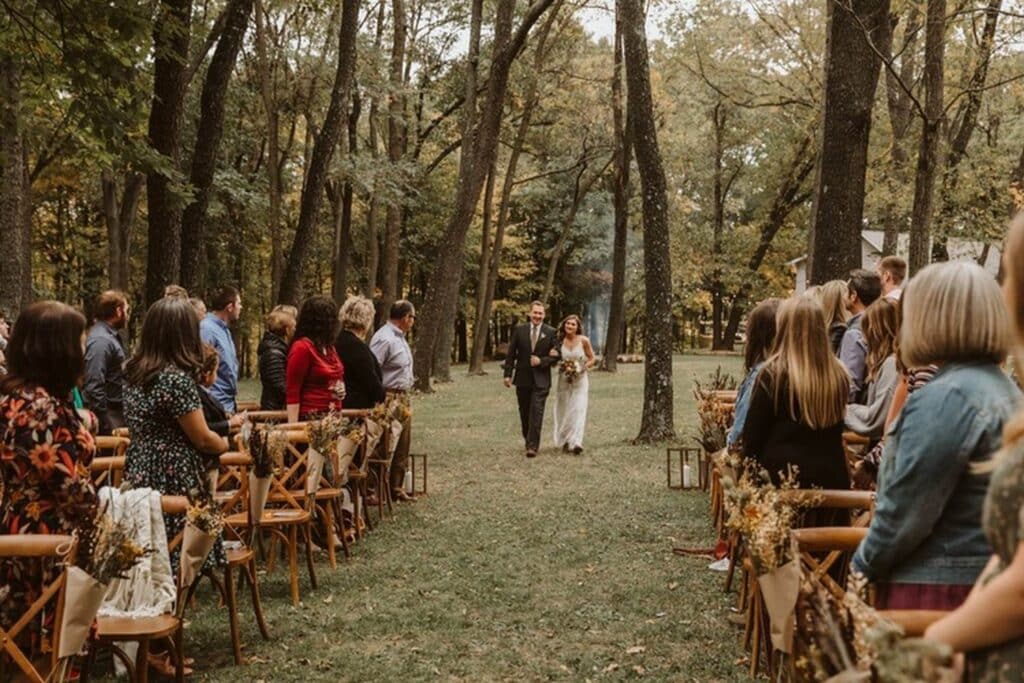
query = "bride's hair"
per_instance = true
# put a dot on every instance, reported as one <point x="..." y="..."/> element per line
<point x="561" y="325"/>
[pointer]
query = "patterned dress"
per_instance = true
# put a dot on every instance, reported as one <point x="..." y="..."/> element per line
<point x="1003" y="519"/>
<point x="160" y="456"/>
<point x="44" y="458"/>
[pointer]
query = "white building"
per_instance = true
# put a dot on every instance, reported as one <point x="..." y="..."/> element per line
<point x="871" y="253"/>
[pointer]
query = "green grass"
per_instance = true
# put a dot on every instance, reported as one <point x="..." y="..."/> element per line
<point x="511" y="569"/>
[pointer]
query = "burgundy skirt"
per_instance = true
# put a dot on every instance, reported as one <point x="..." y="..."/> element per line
<point x="920" y="596"/>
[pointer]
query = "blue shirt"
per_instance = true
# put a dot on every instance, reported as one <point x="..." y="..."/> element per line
<point x="217" y="334"/>
<point x="853" y="352"/>
<point x="395" y="357"/>
<point x="742" y="405"/>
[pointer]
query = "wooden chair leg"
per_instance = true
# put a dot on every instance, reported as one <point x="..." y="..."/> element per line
<point x="231" y="601"/>
<point x="339" y="524"/>
<point x="309" y="555"/>
<point x="293" y="562"/>
<point x="142" y="662"/>
<point x="272" y="551"/>
<point x="755" y="649"/>
<point x="179" y="651"/>
<point x="257" y="606"/>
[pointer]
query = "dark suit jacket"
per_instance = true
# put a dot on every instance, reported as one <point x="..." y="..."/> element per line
<point x="363" y="388"/>
<point x="517" y="361"/>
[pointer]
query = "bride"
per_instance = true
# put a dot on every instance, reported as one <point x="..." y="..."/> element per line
<point x="577" y="357"/>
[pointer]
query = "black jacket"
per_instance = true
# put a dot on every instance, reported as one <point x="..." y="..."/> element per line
<point x="273" y="355"/>
<point x="213" y="411"/>
<point x="363" y="387"/>
<point x="517" y="360"/>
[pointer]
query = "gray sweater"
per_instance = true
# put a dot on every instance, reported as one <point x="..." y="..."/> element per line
<point x="868" y="419"/>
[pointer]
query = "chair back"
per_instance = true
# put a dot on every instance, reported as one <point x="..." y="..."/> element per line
<point x="106" y="468"/>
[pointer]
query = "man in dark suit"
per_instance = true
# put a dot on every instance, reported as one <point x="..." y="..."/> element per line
<point x="531" y="353"/>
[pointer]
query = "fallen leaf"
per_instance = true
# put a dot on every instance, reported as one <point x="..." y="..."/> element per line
<point x="636" y="650"/>
<point x="672" y="586"/>
<point x="329" y="599"/>
<point x="639" y="670"/>
<point x="610" y="668"/>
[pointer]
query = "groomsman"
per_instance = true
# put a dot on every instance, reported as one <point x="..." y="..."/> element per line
<point x="528" y="366"/>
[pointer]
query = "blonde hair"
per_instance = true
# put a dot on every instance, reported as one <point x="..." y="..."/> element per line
<point x="813" y="293"/>
<point x="881" y="326"/>
<point x="280" y="322"/>
<point x="832" y="297"/>
<point x="802" y="362"/>
<point x="953" y="312"/>
<point x="356" y="314"/>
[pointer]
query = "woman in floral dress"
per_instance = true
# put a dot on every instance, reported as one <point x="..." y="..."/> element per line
<point x="46" y="449"/>
<point x="165" y="415"/>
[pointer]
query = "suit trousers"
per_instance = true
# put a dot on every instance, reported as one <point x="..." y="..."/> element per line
<point x="531" y="413"/>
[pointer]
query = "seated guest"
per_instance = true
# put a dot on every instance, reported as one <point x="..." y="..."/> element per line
<point x="104" y="361"/>
<point x="273" y="358"/>
<point x="176" y="291"/>
<point x="892" y="270"/>
<point x="164" y="411"/>
<point x="988" y="625"/>
<point x="45" y="450"/>
<point x="363" y="386"/>
<point x="796" y="409"/>
<point x="862" y="291"/>
<point x="925" y="546"/>
<point x="760" y="337"/>
<point x="833" y="305"/>
<point x="314" y="376"/>
<point x="216" y="419"/>
<point x="881" y="325"/>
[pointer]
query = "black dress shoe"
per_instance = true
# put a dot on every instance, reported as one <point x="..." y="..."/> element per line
<point x="577" y="450"/>
<point x="531" y="453"/>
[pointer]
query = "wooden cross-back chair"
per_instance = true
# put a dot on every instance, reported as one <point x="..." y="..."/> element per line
<point x="43" y="549"/>
<point x="107" y="466"/>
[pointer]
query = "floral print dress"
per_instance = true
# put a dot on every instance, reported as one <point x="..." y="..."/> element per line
<point x="1003" y="520"/>
<point x="45" y="487"/>
<point x="160" y="456"/>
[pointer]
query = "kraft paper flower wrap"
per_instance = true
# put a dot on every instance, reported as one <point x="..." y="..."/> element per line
<point x="266" y="448"/>
<point x="203" y="527"/>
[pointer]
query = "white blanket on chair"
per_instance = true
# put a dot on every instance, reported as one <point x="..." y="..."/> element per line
<point x="149" y="589"/>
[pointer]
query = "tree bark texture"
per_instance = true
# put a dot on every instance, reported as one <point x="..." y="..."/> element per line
<point x="171" y="37"/>
<point x="343" y="236"/>
<point x="396" y="150"/>
<point x="851" y="76"/>
<point x="928" y="153"/>
<point x="323" y="150"/>
<point x="12" y="190"/>
<point x="119" y="216"/>
<point x="208" y="135"/>
<point x="657" y="423"/>
<point x="485" y="259"/>
<point x="269" y="97"/>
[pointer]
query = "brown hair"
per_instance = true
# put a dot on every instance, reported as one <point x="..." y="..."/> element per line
<point x="176" y="291"/>
<point x="761" y="330"/>
<point x="561" y="325"/>
<point x="108" y="302"/>
<point x="45" y="349"/>
<point x="895" y="266"/>
<point x="881" y="327"/>
<point x="170" y="336"/>
<point x="223" y="297"/>
<point x="280" y="322"/>
<point x="318" y="320"/>
<point x="538" y="302"/>
<point x="210" y="361"/>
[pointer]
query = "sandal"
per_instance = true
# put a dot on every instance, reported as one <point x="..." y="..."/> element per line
<point x="161" y="664"/>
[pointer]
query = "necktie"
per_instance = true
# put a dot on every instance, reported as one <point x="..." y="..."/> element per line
<point x="533" y="337"/>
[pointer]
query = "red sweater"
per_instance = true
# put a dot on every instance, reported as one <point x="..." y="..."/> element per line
<point x="310" y="376"/>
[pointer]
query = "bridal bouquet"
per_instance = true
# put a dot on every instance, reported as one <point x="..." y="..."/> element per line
<point x="571" y="370"/>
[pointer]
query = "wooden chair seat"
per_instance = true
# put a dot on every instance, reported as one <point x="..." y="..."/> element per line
<point x="276" y="517"/>
<point x="133" y="628"/>
<point x="141" y="630"/>
<point x="239" y="556"/>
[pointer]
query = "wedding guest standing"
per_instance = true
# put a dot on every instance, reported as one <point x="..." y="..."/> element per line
<point x="215" y="330"/>
<point x="273" y="358"/>
<point x="314" y="378"/>
<point x="364" y="386"/>
<point x="987" y="625"/>
<point x="864" y="287"/>
<point x="881" y="325"/>
<point x="45" y="450"/>
<point x="761" y="330"/>
<point x="925" y="546"/>
<point x="795" y="419"/>
<point x="395" y="357"/>
<point x="103" y="389"/>
<point x="891" y="271"/>
<point x="164" y="411"/>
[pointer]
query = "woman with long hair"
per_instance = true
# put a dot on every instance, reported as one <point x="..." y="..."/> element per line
<point x="45" y="449"/>
<point x="761" y="330"/>
<point x="164" y="412"/>
<point x="314" y="379"/>
<point x="797" y="406"/>
<point x="988" y="625"/>
<point x="832" y="297"/>
<point x="577" y="357"/>
<point x="925" y="546"/>
<point x="881" y="325"/>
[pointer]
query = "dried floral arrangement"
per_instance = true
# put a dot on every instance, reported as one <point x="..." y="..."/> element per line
<point x="205" y="515"/>
<point x="106" y="548"/>
<point x="323" y="433"/>
<point x="266" y="448"/>
<point x="394" y="408"/>
<point x="570" y="369"/>
<point x="715" y="416"/>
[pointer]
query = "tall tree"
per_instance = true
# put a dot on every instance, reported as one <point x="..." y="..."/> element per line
<point x="928" y="153"/>
<point x="657" y="423"/>
<point x="323" y="151"/>
<point x="343" y="219"/>
<point x="443" y="287"/>
<point x="396" y="150"/>
<point x="211" y="126"/>
<point x="172" y="32"/>
<point x="119" y="215"/>
<point x="13" y="269"/>
<point x="855" y="27"/>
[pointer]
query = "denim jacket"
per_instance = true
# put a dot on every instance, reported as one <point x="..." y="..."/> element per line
<point x="927" y="522"/>
<point x="742" y="405"/>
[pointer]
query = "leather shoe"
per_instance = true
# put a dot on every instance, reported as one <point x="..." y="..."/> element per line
<point x="403" y="496"/>
<point x="531" y="453"/>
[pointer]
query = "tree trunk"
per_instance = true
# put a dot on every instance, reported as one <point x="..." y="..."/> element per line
<point x="323" y="151"/>
<point x="396" y="150"/>
<point x="343" y="236"/>
<point x="119" y="216"/>
<point x="851" y="75"/>
<point x="269" y="97"/>
<point x="657" y="423"/>
<point x="928" y="154"/>
<point x="485" y="258"/>
<point x="623" y="156"/>
<point x="171" y="37"/>
<point x="442" y="288"/>
<point x="211" y="126"/>
<point x="12" y="189"/>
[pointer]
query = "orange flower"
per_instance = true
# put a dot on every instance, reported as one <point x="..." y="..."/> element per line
<point x="33" y="510"/>
<point x="44" y="457"/>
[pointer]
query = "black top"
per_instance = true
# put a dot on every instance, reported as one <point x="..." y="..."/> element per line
<point x="517" y="361"/>
<point x="103" y="388"/>
<point x="363" y="387"/>
<point x="213" y="411"/>
<point x="273" y="355"/>
<point x="775" y="440"/>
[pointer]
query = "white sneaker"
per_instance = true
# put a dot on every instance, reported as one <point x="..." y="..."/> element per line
<point x="721" y="565"/>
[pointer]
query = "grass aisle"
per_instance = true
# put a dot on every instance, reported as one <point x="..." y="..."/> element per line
<point x="559" y="568"/>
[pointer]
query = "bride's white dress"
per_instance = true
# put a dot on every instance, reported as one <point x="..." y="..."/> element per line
<point x="571" y="402"/>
